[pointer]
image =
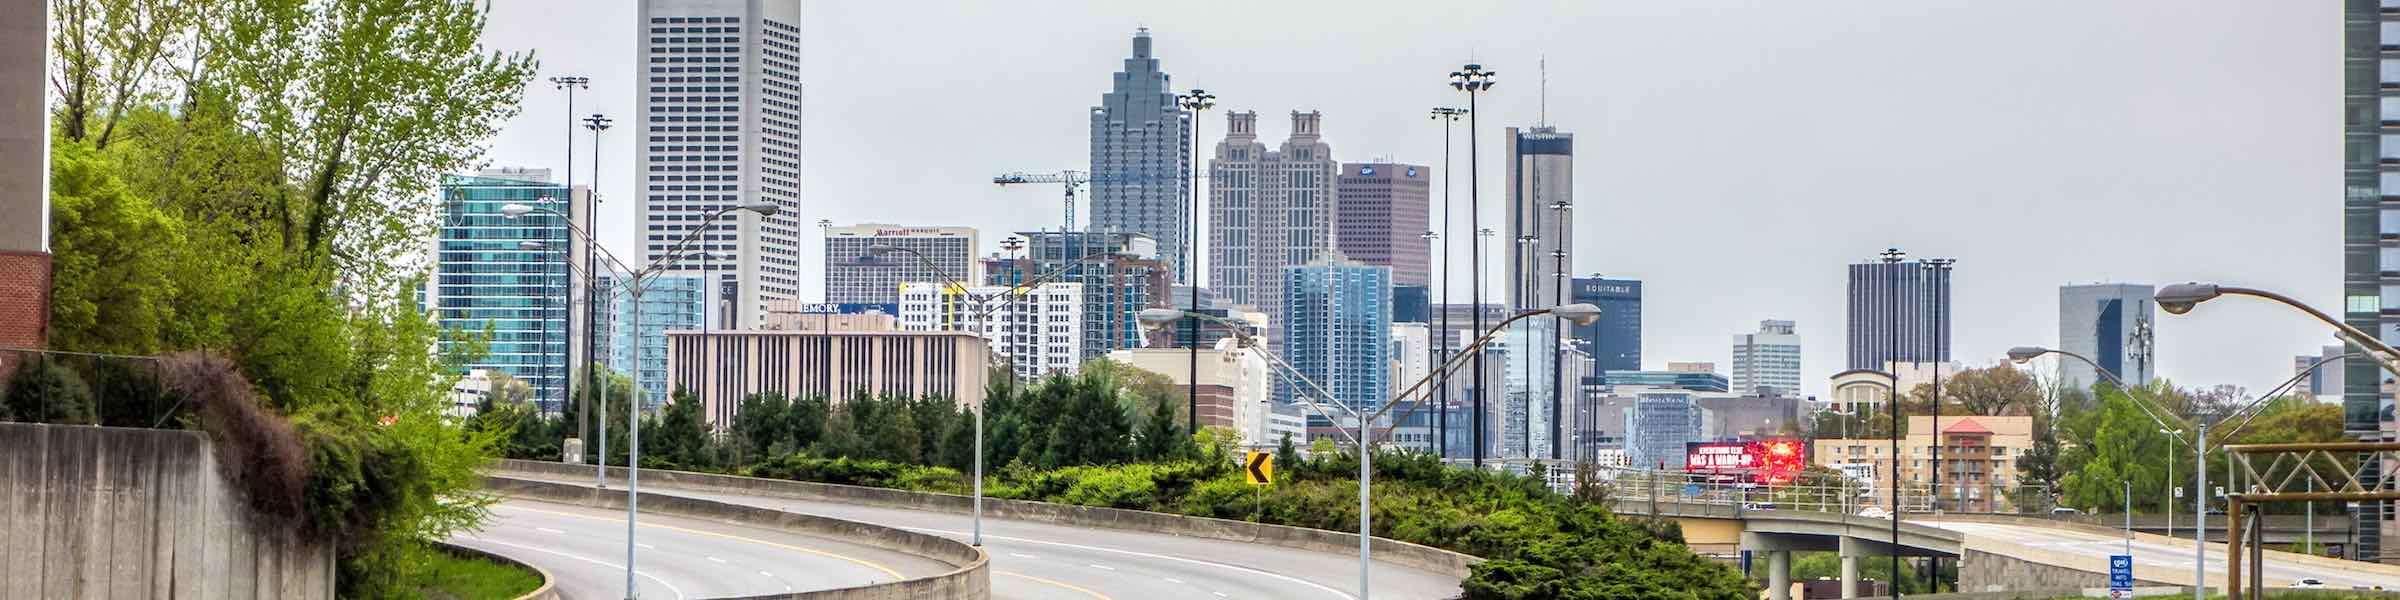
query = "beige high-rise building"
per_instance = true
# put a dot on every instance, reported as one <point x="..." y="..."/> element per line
<point x="723" y="367"/>
<point x="1267" y="209"/>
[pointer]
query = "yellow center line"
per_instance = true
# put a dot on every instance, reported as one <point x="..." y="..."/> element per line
<point x="1062" y="584"/>
<point x="865" y="563"/>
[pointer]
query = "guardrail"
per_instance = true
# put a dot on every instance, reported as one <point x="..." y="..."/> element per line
<point x="1416" y="556"/>
<point x="970" y="580"/>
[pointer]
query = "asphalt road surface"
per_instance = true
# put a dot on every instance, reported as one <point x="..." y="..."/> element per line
<point x="1033" y="561"/>
<point x="2154" y="551"/>
<point x="679" y="558"/>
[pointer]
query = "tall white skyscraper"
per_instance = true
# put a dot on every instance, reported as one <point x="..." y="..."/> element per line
<point x="1767" y="363"/>
<point x="719" y="82"/>
<point x="1541" y="175"/>
<point x="1267" y="209"/>
<point x="1039" y="331"/>
<point x="2109" y="323"/>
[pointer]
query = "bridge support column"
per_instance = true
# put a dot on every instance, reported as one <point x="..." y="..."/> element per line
<point x="1850" y="555"/>
<point x="1779" y="575"/>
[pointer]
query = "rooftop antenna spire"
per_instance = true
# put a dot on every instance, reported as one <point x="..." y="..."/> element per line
<point x="1545" y="68"/>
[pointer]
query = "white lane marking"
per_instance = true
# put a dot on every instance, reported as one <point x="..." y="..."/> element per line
<point x="1172" y="580"/>
<point x="549" y="530"/>
<point x="1023" y="555"/>
<point x="1336" y="593"/>
<point x="1101" y="567"/>
<point x="670" y="587"/>
<point x="1221" y="594"/>
<point x="716" y="560"/>
<point x="646" y="546"/>
<point x="769" y="575"/>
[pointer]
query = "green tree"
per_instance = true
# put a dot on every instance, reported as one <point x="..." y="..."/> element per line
<point x="45" y="391"/>
<point x="762" y="424"/>
<point x="1160" y="437"/>
<point x="682" y="431"/>
<point x="2117" y="442"/>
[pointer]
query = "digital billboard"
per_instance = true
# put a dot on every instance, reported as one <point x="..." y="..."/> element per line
<point x="1769" y="461"/>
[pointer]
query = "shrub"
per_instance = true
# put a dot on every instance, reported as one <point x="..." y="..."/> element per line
<point x="45" y="391"/>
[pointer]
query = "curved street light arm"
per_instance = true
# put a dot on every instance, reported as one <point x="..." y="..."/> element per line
<point x="1457" y="361"/>
<point x="675" y="252"/>
<point x="2348" y="333"/>
<point x="2278" y="390"/>
<point x="1286" y="371"/>
<point x="2137" y="398"/>
<point x="586" y="235"/>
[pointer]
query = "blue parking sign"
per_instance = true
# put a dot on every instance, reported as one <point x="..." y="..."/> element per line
<point x="2120" y="572"/>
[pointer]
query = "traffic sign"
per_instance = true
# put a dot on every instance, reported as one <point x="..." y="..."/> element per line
<point x="2120" y="576"/>
<point x="1259" y="468"/>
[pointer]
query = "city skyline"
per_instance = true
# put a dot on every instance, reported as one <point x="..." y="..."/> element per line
<point x="1649" y="128"/>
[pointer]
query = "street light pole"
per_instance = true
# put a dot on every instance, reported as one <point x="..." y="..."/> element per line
<point x="636" y="282"/>
<point x="1891" y="261"/>
<point x="1940" y="269"/>
<point x="1449" y="118"/>
<point x="1473" y="79"/>
<point x="565" y="386"/>
<point x="1192" y="103"/>
<point x="2177" y="435"/>
<point x="1365" y="438"/>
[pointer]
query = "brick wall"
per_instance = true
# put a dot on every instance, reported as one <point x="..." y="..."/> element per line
<point x="24" y="299"/>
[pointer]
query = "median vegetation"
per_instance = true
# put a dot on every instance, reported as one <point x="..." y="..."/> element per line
<point x="1112" y="437"/>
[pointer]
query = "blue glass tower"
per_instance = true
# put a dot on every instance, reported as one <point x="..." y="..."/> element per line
<point x="1615" y="341"/>
<point x="486" y="276"/>
<point x="1336" y="330"/>
<point x="669" y="303"/>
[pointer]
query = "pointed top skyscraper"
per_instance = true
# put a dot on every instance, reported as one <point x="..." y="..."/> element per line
<point x="1139" y="157"/>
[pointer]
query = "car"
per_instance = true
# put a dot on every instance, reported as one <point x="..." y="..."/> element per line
<point x="1875" y="513"/>
<point x="2060" y="511"/>
<point x="2308" y="583"/>
<point x="1758" y="506"/>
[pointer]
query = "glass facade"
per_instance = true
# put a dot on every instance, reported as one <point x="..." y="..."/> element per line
<point x="486" y="278"/>
<point x="2370" y="183"/>
<point x="1116" y="289"/>
<point x="1615" y="341"/>
<point x="1336" y="331"/>
<point x="669" y="303"/>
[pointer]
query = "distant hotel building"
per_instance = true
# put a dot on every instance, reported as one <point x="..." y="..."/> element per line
<point x="1767" y="362"/>
<point x="854" y="275"/>
<point x="1115" y="287"/>
<point x="721" y="368"/>
<point x="1038" y="331"/>
<point x="1337" y="330"/>
<point x="1381" y="214"/>
<point x="484" y="275"/>
<point x="2109" y="323"/>
<point x="1922" y="298"/>
<point x="1657" y="428"/>
<point x="719" y="87"/>
<point x="1235" y="386"/>
<point x="1267" y="209"/>
<point x="1615" y="341"/>
<point x="1141" y="145"/>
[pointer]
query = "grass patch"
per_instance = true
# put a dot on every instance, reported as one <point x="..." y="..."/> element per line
<point x="446" y="576"/>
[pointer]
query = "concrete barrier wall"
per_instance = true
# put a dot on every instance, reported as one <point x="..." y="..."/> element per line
<point x="970" y="580"/>
<point x="549" y="588"/>
<point x="1417" y="556"/>
<point x="98" y="512"/>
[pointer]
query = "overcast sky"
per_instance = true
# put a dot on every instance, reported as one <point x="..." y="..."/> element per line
<point x="1734" y="156"/>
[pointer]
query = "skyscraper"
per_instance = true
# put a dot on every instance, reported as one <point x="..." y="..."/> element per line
<point x="511" y="274"/>
<point x="1139" y="156"/>
<point x="672" y="303"/>
<point x="1267" y="209"/>
<point x="2110" y="323"/>
<point x="1380" y="217"/>
<point x="2370" y="178"/>
<point x="1767" y="363"/>
<point x="854" y="275"/>
<point x="1658" y="427"/>
<point x="1541" y="174"/>
<point x="1337" y="330"/>
<point x="1115" y="288"/>
<point x="1922" y="298"/>
<point x="1615" y="341"/>
<point x="720" y="124"/>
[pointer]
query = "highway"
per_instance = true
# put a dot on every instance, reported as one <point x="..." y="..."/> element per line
<point x="1045" y="561"/>
<point x="2154" y="551"/>
<point x="680" y="559"/>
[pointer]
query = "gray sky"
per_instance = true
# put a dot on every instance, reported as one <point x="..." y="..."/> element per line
<point x="1734" y="156"/>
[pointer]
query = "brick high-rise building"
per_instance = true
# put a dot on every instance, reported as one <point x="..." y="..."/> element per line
<point x="1380" y="217"/>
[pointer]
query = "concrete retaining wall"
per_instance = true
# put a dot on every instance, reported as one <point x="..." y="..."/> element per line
<point x="98" y="512"/>
<point x="549" y="588"/>
<point x="1980" y="570"/>
<point x="970" y="580"/>
<point x="1417" y="556"/>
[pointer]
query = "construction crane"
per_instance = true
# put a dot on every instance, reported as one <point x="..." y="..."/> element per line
<point x="1070" y="179"/>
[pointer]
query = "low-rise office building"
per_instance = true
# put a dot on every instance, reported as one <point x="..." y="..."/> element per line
<point x="720" y="368"/>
